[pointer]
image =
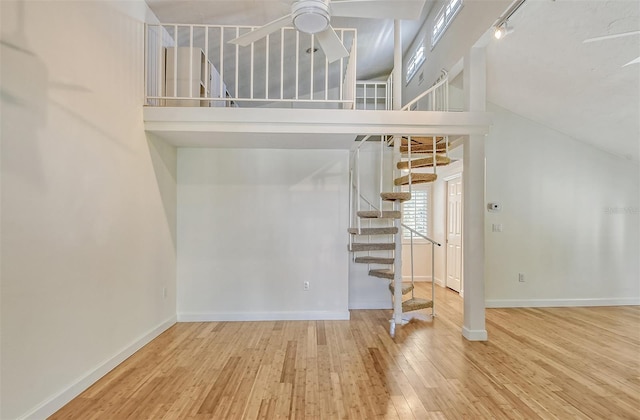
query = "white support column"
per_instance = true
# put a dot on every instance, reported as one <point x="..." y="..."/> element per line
<point x="397" y="65"/>
<point x="397" y="104"/>
<point x="474" y="328"/>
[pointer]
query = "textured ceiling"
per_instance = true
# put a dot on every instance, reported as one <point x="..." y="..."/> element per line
<point x="544" y="72"/>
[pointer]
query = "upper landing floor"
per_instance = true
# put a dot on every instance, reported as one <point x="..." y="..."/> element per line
<point x="280" y="91"/>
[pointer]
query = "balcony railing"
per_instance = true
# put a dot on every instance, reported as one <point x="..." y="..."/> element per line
<point x="436" y="98"/>
<point x="195" y="65"/>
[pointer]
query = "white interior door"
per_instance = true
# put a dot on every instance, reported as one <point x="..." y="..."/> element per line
<point x="454" y="234"/>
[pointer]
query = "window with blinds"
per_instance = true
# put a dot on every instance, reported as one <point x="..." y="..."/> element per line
<point x="415" y="214"/>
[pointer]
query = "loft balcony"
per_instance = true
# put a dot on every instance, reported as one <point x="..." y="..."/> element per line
<point x="280" y="91"/>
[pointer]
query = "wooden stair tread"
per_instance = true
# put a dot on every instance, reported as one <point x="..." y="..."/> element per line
<point x="406" y="288"/>
<point x="424" y="162"/>
<point x="391" y="230"/>
<point x="374" y="260"/>
<point x="416" y="178"/>
<point x="372" y="246"/>
<point x="423" y="148"/>
<point x="416" y="304"/>
<point x="384" y="273"/>
<point x="423" y="140"/>
<point x="395" y="196"/>
<point x="374" y="214"/>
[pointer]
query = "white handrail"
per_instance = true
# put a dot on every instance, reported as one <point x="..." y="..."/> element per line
<point x="432" y="89"/>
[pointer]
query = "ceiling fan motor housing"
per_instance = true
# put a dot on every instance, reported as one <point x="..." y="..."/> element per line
<point x="310" y="16"/>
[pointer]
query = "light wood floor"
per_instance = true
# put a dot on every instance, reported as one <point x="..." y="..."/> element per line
<point x="538" y="363"/>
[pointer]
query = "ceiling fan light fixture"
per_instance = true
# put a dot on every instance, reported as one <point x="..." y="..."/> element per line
<point x="310" y="16"/>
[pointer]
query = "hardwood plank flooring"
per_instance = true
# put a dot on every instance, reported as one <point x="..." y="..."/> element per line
<point x="551" y="363"/>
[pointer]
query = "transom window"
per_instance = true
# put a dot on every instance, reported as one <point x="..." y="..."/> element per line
<point x="415" y="62"/>
<point x="443" y="20"/>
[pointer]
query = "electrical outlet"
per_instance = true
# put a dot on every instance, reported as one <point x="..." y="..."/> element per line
<point x="306" y="285"/>
<point x="496" y="227"/>
<point x="521" y="277"/>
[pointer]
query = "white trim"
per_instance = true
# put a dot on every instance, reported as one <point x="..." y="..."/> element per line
<point x="372" y="304"/>
<point x="225" y="127"/>
<point x="452" y="176"/>
<point x="474" y="335"/>
<point x="57" y="401"/>
<point x="262" y="316"/>
<point x="549" y="303"/>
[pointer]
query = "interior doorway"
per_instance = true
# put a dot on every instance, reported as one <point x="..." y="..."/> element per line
<point x="453" y="276"/>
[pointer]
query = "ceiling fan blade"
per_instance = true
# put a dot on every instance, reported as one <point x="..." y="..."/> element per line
<point x="261" y="32"/>
<point x="331" y="45"/>
<point x="378" y="9"/>
<point x="604" y="37"/>
<point x="636" y="61"/>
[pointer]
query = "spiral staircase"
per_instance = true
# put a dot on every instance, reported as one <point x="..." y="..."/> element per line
<point x="379" y="242"/>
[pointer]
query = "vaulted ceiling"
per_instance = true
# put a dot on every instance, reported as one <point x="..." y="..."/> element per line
<point x="545" y="72"/>
<point x="542" y="71"/>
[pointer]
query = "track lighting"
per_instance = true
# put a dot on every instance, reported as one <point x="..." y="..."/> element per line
<point x="501" y="27"/>
<point x="502" y="30"/>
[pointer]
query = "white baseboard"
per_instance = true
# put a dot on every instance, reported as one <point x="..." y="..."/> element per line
<point x="372" y="304"/>
<point x="263" y="316"/>
<point x="56" y="402"/>
<point x="550" y="303"/>
<point x="474" y="335"/>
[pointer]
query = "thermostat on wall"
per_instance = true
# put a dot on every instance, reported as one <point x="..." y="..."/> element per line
<point x="494" y="207"/>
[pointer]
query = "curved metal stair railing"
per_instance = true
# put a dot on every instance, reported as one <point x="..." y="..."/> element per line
<point x="378" y="211"/>
<point x="432" y="152"/>
<point x="433" y="266"/>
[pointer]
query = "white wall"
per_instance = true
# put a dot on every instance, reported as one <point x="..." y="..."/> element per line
<point x="421" y="260"/>
<point x="254" y="225"/>
<point x="570" y="219"/>
<point x="88" y="202"/>
<point x="472" y="21"/>
<point x="366" y="292"/>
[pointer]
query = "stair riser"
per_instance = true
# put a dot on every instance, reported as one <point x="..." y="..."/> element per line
<point x="374" y="231"/>
<point x="416" y="304"/>
<point x="372" y="247"/>
<point x="415" y="179"/>
<point x="405" y="288"/>
<point x="423" y="149"/>
<point x="423" y="163"/>
<point x="377" y="215"/>
<point x="383" y="274"/>
<point x="395" y="196"/>
<point x="374" y="260"/>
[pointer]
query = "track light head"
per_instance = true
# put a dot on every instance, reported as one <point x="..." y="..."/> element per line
<point x="502" y="29"/>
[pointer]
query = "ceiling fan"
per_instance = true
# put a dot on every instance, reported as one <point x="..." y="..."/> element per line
<point x="314" y="17"/>
<point x="613" y="36"/>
